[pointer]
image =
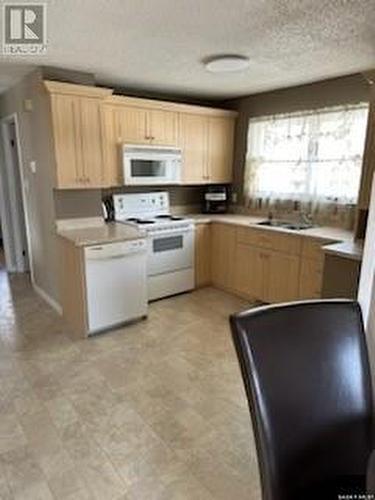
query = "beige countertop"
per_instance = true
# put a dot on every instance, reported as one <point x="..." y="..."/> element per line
<point x="101" y="233"/>
<point x="324" y="232"/>
<point x="347" y="249"/>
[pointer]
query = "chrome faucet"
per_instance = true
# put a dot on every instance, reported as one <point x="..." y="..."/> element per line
<point x="305" y="218"/>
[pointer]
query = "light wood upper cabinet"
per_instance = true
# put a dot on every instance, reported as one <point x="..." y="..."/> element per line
<point x="78" y="136"/>
<point x="162" y="127"/>
<point x="207" y="146"/>
<point x="78" y="141"/>
<point x="90" y="126"/>
<point x="132" y="123"/>
<point x="220" y="149"/>
<point x="147" y="126"/>
<point x="111" y="146"/>
<point x="65" y="120"/>
<point x="194" y="129"/>
<point x="91" y="142"/>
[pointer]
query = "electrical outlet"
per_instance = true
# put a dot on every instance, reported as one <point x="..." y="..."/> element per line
<point x="28" y="105"/>
<point x="234" y="197"/>
<point x="32" y="165"/>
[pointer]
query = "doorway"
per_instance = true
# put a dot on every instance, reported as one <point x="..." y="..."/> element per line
<point x="14" y="248"/>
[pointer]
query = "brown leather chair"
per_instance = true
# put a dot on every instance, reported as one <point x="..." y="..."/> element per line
<point x="306" y="373"/>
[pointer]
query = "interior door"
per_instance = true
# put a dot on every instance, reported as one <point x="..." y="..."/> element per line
<point x="220" y="148"/>
<point x="163" y="127"/>
<point x="65" y="116"/>
<point x="194" y="137"/>
<point x="91" y="141"/>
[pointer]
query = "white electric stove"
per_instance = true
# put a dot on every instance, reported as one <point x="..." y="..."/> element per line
<point x="170" y="241"/>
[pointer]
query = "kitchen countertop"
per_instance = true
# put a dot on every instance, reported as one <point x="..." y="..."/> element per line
<point x="347" y="249"/>
<point x="101" y="233"/>
<point x="324" y="232"/>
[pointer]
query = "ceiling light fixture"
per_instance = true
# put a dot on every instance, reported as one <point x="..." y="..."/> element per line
<point x="226" y="63"/>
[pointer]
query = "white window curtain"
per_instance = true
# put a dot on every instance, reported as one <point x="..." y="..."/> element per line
<point x="309" y="159"/>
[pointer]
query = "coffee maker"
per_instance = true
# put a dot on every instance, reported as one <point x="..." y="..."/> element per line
<point x="215" y="200"/>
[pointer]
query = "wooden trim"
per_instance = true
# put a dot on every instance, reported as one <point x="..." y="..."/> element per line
<point x="119" y="100"/>
<point x="72" y="287"/>
<point x="77" y="90"/>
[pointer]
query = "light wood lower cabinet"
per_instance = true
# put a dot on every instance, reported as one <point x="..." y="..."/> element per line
<point x="266" y="275"/>
<point x="72" y="286"/>
<point x="249" y="271"/>
<point x="312" y="263"/>
<point x="281" y="277"/>
<point x="311" y="279"/>
<point x="202" y="255"/>
<point x="248" y="262"/>
<point x="223" y="254"/>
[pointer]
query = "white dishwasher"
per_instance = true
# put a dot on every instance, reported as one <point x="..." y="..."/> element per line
<point x="116" y="283"/>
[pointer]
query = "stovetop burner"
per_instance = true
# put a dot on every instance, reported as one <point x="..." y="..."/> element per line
<point x="169" y="217"/>
<point x="140" y="221"/>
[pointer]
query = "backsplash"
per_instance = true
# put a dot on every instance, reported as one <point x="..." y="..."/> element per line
<point x="178" y="195"/>
<point x="78" y="203"/>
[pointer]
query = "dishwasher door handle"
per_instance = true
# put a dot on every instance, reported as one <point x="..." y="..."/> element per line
<point x="102" y="257"/>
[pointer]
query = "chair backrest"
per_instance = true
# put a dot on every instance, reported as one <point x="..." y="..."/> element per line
<point x="307" y="378"/>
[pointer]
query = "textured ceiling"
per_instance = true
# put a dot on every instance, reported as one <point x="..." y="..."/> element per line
<point x="158" y="45"/>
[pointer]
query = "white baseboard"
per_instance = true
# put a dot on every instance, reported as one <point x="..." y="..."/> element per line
<point x="47" y="298"/>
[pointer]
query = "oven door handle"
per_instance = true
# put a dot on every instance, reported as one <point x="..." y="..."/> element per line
<point x="172" y="232"/>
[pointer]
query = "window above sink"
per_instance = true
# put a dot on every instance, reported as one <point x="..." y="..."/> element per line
<point x="305" y="161"/>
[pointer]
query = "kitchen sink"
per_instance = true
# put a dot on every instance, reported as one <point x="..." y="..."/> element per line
<point x="294" y="226"/>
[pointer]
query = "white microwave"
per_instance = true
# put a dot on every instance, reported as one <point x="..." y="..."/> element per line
<point x="151" y="165"/>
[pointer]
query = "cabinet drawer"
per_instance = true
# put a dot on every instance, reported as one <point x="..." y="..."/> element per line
<point x="312" y="248"/>
<point x="270" y="240"/>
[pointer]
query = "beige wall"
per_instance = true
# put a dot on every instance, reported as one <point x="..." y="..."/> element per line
<point x="36" y="145"/>
<point x="349" y="89"/>
<point x="36" y="140"/>
<point x="87" y="203"/>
